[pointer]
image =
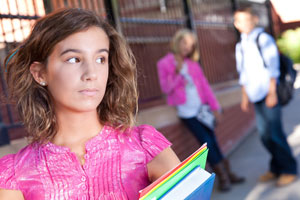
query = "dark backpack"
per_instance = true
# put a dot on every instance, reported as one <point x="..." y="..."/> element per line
<point x="285" y="87"/>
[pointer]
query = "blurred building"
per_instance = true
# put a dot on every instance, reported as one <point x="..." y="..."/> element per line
<point x="285" y="15"/>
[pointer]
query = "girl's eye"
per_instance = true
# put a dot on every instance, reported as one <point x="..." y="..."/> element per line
<point x="100" y="60"/>
<point x="73" y="60"/>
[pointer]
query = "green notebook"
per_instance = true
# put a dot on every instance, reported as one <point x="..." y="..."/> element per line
<point x="159" y="192"/>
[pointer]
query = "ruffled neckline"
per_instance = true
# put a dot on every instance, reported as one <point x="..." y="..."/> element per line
<point x="91" y="143"/>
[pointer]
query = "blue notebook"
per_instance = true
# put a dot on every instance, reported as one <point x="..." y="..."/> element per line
<point x="196" y="185"/>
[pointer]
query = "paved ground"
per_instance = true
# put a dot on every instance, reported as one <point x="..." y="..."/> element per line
<point x="251" y="160"/>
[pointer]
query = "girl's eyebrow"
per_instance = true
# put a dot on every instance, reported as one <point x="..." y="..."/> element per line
<point x="79" y="51"/>
<point x="70" y="50"/>
<point x="103" y="50"/>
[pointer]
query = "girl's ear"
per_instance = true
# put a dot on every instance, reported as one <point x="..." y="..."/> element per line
<point x="37" y="71"/>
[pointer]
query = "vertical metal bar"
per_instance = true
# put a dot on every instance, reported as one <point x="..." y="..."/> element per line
<point x="76" y="4"/>
<point x="102" y="8"/>
<point x="34" y="7"/>
<point x="55" y="4"/>
<point x="48" y="6"/>
<point x="95" y="6"/>
<point x="26" y="6"/>
<point x="83" y="4"/>
<point x="109" y="12"/>
<point x="26" y="10"/>
<point x="188" y="14"/>
<point x="11" y="21"/>
<point x="112" y="12"/>
<point x="69" y="3"/>
<point x="20" y="20"/>
<point x="88" y="5"/>
<point x="61" y="3"/>
<point x="269" y="10"/>
<point x="234" y="7"/>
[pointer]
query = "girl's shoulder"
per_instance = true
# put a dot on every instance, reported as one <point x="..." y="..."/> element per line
<point x="169" y="57"/>
<point x="21" y="156"/>
<point x="146" y="132"/>
<point x="10" y="164"/>
<point x="150" y="140"/>
<point x="7" y="172"/>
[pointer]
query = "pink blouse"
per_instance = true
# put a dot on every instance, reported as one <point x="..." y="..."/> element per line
<point x="115" y="167"/>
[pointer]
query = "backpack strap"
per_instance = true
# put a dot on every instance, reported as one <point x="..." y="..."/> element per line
<point x="259" y="49"/>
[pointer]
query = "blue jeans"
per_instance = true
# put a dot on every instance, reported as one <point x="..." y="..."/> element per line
<point x="203" y="135"/>
<point x="270" y="128"/>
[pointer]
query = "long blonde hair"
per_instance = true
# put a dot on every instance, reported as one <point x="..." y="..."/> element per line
<point x="194" y="55"/>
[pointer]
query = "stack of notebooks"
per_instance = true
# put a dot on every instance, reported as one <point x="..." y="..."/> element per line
<point x="188" y="180"/>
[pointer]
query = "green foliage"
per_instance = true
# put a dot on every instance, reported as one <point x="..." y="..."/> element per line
<point x="289" y="44"/>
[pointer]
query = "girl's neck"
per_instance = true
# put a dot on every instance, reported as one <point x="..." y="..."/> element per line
<point x="76" y="128"/>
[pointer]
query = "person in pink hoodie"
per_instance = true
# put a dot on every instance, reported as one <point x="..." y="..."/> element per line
<point x="74" y="83"/>
<point x="183" y="82"/>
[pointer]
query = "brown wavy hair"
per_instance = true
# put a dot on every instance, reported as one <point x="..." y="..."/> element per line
<point x="119" y="105"/>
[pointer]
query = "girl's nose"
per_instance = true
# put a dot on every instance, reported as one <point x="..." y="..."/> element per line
<point x="90" y="72"/>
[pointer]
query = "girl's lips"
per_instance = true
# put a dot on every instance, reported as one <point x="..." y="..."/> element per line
<point x="89" y="92"/>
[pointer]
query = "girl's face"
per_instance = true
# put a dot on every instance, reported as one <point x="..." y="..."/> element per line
<point x="186" y="45"/>
<point x="77" y="71"/>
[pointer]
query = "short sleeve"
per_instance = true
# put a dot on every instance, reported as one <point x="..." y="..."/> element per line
<point x="7" y="173"/>
<point x="153" y="142"/>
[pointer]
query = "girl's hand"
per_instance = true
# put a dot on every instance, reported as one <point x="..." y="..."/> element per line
<point x="217" y="115"/>
<point x="179" y="62"/>
<point x="245" y="101"/>
<point x="245" y="105"/>
<point x="271" y="100"/>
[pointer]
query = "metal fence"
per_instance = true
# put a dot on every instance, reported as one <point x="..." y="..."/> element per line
<point x="148" y="26"/>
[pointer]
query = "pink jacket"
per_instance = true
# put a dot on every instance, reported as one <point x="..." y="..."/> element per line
<point x="173" y="84"/>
